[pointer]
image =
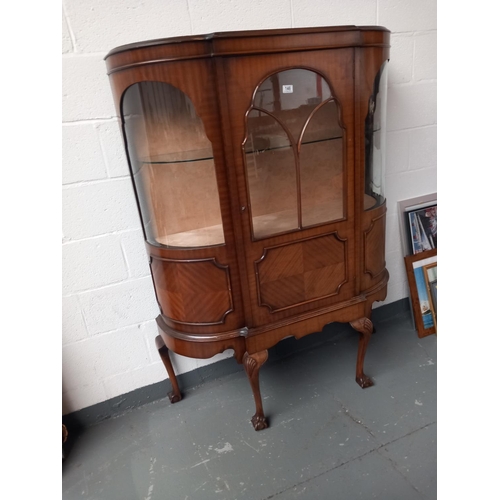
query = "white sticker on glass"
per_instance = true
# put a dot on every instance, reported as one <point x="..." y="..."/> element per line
<point x="287" y="89"/>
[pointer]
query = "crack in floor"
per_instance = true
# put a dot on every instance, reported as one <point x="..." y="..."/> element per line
<point x="352" y="460"/>
<point x="356" y="421"/>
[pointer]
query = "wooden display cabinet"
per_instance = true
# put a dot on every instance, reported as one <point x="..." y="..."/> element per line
<point x="257" y="162"/>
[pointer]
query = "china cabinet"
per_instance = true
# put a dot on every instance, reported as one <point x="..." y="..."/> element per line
<point x="257" y="163"/>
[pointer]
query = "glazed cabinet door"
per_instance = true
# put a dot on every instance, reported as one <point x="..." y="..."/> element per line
<point x="171" y="129"/>
<point x="291" y="120"/>
<point x="372" y="70"/>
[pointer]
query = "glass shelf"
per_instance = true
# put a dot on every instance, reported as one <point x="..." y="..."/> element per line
<point x="280" y="143"/>
<point x="173" y="167"/>
<point x="179" y="157"/>
<point x="201" y="237"/>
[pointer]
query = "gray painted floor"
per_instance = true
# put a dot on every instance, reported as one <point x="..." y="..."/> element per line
<point x="328" y="438"/>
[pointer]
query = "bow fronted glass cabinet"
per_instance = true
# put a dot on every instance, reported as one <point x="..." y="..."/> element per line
<point x="257" y="160"/>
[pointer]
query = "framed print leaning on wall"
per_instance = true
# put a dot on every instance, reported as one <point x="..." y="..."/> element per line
<point x="421" y="270"/>
<point x="422" y="229"/>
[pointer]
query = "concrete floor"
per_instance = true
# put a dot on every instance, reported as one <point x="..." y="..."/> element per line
<point x="328" y="438"/>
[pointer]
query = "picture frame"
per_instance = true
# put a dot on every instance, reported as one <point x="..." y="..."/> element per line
<point x="422" y="228"/>
<point x="421" y="270"/>
<point x="405" y="206"/>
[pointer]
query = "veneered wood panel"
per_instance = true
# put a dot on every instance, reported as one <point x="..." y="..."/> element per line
<point x="373" y="246"/>
<point x="192" y="292"/>
<point x="242" y="76"/>
<point x="296" y="273"/>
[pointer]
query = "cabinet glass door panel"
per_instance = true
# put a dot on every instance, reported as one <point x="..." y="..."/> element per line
<point x="322" y="167"/>
<point x="172" y="167"/>
<point x="375" y="134"/>
<point x="291" y="96"/>
<point x="271" y="175"/>
<point x="294" y="135"/>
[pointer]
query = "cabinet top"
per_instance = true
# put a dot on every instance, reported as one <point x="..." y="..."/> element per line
<point x="245" y="43"/>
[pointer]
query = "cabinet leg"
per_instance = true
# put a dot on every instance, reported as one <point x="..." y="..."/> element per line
<point x="252" y="364"/>
<point x="365" y="328"/>
<point x="175" y="395"/>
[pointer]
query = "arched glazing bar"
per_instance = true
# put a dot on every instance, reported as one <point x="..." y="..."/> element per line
<point x="294" y="153"/>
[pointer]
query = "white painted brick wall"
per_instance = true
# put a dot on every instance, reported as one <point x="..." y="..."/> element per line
<point x="99" y="26"/>
<point x="334" y="12"/>
<point x="92" y="263"/>
<point x="425" y="66"/>
<point x="108" y="298"/>
<point x="81" y="154"/>
<point x="117" y="306"/>
<point x="98" y="208"/>
<point x="402" y="52"/>
<point x="407" y="15"/>
<point x="85" y="87"/>
<point x="221" y="15"/>
<point x="73" y="324"/>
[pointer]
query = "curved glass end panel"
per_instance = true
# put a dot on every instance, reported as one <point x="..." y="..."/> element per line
<point x="375" y="133"/>
<point x="172" y="167"/>
<point x="294" y="153"/>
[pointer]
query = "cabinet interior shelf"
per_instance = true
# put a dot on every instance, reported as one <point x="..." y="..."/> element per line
<point x="206" y="154"/>
<point x="264" y="225"/>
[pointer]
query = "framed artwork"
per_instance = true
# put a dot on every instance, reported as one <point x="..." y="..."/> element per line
<point x="410" y="205"/>
<point x="421" y="270"/>
<point x="422" y="228"/>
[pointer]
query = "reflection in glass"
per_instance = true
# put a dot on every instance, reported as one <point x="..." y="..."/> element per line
<point x="321" y="167"/>
<point x="375" y="133"/>
<point x="271" y="176"/>
<point x="294" y="153"/>
<point x="172" y="167"/>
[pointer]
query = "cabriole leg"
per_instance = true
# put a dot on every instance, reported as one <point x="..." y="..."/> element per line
<point x="175" y="395"/>
<point x="365" y="328"/>
<point x="252" y="364"/>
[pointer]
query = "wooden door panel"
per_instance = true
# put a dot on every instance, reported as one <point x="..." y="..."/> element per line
<point x="303" y="268"/>
<point x="294" y="274"/>
<point x="192" y="292"/>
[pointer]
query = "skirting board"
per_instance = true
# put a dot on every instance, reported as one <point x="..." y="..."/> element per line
<point x="79" y="420"/>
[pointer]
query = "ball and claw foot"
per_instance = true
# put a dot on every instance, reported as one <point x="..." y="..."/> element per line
<point x="174" y="398"/>
<point x="259" y="422"/>
<point x="365" y="328"/>
<point x="175" y="395"/>
<point x="364" y="381"/>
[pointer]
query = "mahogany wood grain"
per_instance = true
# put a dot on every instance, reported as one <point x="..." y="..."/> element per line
<point x="201" y="346"/>
<point x="252" y="364"/>
<point x="365" y="328"/>
<point x="252" y="290"/>
<point x="174" y="396"/>
<point x="297" y="273"/>
<point x="373" y="245"/>
<point x="243" y="75"/>
<point x="192" y="292"/>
